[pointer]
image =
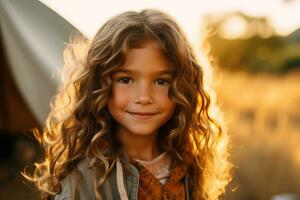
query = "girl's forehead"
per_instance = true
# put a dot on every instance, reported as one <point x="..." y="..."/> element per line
<point x="149" y="56"/>
<point x="143" y="71"/>
<point x="145" y="43"/>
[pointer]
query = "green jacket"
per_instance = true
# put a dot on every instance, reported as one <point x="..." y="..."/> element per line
<point x="117" y="186"/>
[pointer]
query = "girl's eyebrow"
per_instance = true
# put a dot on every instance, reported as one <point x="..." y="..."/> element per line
<point x="129" y="71"/>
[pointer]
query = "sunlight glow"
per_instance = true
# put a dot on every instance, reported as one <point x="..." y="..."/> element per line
<point x="89" y="15"/>
<point x="234" y="27"/>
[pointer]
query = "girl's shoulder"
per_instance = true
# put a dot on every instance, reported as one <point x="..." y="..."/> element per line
<point x="82" y="178"/>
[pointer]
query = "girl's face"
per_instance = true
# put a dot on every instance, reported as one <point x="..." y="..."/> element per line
<point x="139" y="101"/>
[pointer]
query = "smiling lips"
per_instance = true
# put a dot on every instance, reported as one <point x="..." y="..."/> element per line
<point x="142" y="115"/>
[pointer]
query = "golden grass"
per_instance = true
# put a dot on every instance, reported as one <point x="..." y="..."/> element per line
<point x="263" y="116"/>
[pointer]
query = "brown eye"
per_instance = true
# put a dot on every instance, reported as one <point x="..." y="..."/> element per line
<point x="162" y="82"/>
<point x="125" y="80"/>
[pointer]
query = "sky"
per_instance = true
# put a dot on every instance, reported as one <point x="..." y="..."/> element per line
<point x="89" y="15"/>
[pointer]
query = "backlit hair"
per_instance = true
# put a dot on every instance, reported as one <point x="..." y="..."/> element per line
<point x="79" y="120"/>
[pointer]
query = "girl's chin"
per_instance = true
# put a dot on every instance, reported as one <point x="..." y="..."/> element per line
<point x="140" y="132"/>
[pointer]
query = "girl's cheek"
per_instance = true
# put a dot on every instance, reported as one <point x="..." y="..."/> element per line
<point x="163" y="92"/>
<point x="120" y="93"/>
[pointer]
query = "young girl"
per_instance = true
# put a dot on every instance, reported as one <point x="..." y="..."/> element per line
<point x="132" y="119"/>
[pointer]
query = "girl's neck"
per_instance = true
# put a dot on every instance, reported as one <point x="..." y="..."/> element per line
<point x="139" y="147"/>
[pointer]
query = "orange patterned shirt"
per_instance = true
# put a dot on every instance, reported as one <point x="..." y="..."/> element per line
<point x="151" y="188"/>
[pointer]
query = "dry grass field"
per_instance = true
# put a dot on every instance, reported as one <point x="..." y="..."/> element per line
<point x="263" y="116"/>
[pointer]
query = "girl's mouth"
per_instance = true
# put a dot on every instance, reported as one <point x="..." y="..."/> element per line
<point x="142" y="115"/>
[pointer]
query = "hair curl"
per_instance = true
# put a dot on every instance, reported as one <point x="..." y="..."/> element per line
<point x="79" y="120"/>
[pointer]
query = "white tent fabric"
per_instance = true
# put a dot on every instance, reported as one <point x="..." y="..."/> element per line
<point x="34" y="37"/>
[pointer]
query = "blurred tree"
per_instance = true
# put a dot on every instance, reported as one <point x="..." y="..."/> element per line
<point x="257" y="48"/>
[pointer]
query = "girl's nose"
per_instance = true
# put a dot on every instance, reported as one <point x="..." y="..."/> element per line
<point x="144" y="95"/>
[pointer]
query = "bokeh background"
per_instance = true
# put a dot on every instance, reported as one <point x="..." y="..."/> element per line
<point x="253" y="48"/>
<point x="258" y="85"/>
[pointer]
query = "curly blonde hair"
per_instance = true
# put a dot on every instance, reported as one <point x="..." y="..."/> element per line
<point x="79" y="120"/>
